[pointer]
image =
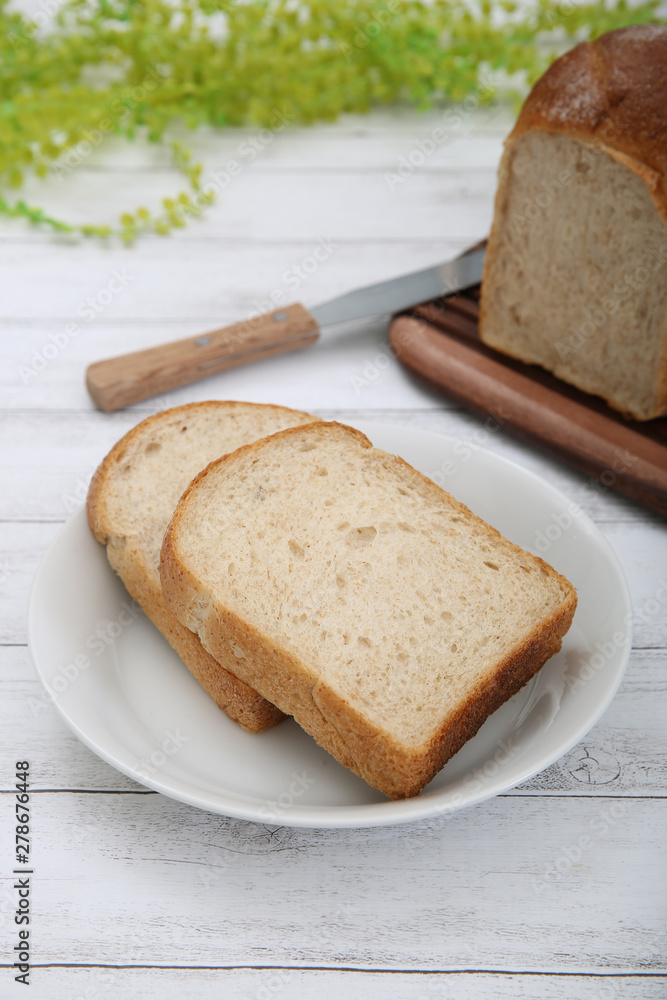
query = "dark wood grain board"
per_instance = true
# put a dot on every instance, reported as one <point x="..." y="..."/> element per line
<point x="440" y="342"/>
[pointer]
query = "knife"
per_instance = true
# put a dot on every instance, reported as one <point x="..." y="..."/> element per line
<point x="129" y="378"/>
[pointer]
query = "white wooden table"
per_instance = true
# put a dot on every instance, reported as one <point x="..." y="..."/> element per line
<point x="136" y="895"/>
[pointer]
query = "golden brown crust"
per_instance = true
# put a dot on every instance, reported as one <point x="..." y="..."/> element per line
<point x="495" y="689"/>
<point x="244" y="449"/>
<point x="236" y="698"/>
<point x="661" y="402"/>
<point x="610" y="93"/>
<point x="333" y="722"/>
<point x="96" y="508"/>
<point x="494" y="241"/>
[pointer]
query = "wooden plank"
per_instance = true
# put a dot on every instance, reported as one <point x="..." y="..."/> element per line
<point x="268" y="205"/>
<point x="50" y="456"/>
<point x="321" y="984"/>
<point x="381" y="143"/>
<point x="624" y="755"/>
<point x="127" y="877"/>
<point x="472" y="140"/>
<point x="34" y="731"/>
<point x="626" y="752"/>
<point x="91" y="283"/>
<point x="141" y="879"/>
<point x="325" y="373"/>
<point x="21" y="548"/>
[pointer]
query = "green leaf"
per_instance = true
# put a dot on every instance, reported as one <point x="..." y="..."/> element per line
<point x="139" y="68"/>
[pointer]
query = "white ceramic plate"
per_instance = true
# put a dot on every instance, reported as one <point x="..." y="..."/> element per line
<point x="123" y="691"/>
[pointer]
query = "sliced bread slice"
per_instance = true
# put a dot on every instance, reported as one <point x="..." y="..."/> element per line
<point x="360" y="598"/>
<point x="131" y="499"/>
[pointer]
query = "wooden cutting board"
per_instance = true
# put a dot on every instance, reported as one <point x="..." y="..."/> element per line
<point x="440" y="342"/>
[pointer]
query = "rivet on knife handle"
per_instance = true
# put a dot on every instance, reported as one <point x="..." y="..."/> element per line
<point x="129" y="378"/>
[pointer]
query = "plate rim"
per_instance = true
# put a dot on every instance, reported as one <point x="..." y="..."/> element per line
<point x="367" y="815"/>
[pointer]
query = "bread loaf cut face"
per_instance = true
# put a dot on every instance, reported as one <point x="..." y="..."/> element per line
<point x="360" y="598"/>
<point x="133" y="495"/>
<point x="575" y="278"/>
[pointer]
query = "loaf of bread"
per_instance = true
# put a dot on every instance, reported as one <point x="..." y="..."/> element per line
<point x="359" y="597"/>
<point x="575" y="277"/>
<point x="131" y="499"/>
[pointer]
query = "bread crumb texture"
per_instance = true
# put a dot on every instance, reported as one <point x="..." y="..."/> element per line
<point x="576" y="269"/>
<point x="146" y="473"/>
<point x="577" y="281"/>
<point x="363" y="587"/>
<point x="131" y="499"/>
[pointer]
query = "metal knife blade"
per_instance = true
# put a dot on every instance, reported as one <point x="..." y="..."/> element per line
<point x="398" y="294"/>
<point x="129" y="378"/>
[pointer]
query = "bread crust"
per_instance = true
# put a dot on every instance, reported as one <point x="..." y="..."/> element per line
<point x="289" y="682"/>
<point x="610" y="93"/>
<point x="237" y="699"/>
<point x="231" y="694"/>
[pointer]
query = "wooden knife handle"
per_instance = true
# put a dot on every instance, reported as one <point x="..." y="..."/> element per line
<point x="129" y="378"/>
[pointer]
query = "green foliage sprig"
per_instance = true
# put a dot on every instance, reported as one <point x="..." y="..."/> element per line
<point x="101" y="67"/>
